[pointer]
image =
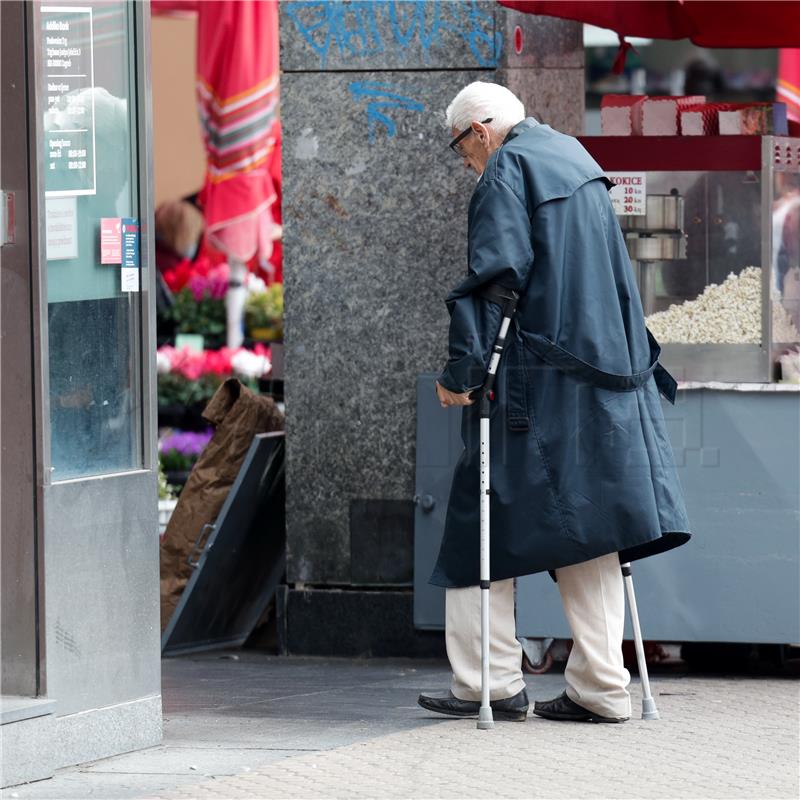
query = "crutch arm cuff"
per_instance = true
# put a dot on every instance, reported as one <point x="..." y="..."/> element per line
<point x="502" y="296"/>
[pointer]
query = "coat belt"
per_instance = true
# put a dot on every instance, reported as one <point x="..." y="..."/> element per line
<point x="570" y="364"/>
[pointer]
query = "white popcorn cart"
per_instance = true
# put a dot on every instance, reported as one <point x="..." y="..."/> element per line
<point x="712" y="224"/>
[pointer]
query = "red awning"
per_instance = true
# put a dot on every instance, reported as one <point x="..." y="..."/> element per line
<point x="748" y="23"/>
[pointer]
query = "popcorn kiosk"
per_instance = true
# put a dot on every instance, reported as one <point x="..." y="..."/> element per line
<point x="712" y="225"/>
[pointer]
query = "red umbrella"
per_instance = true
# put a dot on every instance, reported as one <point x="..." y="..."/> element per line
<point x="237" y="97"/>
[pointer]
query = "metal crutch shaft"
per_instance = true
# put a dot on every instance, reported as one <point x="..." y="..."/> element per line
<point x="485" y="718"/>
<point x="649" y="710"/>
<point x="507" y="299"/>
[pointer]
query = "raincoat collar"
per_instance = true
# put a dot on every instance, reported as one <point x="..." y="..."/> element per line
<point x="520" y="127"/>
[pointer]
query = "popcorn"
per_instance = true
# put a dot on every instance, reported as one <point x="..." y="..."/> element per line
<point x="728" y="313"/>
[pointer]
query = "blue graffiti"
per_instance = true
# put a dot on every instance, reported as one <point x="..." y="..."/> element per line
<point x="364" y="28"/>
<point x="382" y="96"/>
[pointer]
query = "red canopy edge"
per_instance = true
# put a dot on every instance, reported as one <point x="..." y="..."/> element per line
<point x="674" y="153"/>
<point x="741" y="23"/>
<point x="173" y="8"/>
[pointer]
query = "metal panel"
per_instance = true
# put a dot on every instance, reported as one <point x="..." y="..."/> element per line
<point x="736" y="580"/>
<point x="243" y="560"/>
<point x="729" y="363"/>
<point x="144" y="154"/>
<point x="767" y="256"/>
<point x="18" y="529"/>
<point x="101" y="552"/>
<point x="438" y="447"/>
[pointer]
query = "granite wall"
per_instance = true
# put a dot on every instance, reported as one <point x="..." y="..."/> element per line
<point x="374" y="236"/>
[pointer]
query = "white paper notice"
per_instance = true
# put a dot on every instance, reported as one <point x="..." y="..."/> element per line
<point x="67" y="51"/>
<point x="130" y="279"/>
<point x="629" y="195"/>
<point x="61" y="228"/>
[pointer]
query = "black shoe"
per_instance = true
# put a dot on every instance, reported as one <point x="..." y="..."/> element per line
<point x="562" y="708"/>
<point x="511" y="708"/>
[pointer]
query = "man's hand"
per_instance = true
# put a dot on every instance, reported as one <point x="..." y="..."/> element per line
<point x="448" y="398"/>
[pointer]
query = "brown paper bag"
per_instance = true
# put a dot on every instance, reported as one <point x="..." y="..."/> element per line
<point x="237" y="414"/>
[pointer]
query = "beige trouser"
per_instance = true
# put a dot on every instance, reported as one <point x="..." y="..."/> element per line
<point x="593" y="595"/>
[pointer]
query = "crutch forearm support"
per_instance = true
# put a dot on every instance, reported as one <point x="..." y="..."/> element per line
<point x="507" y="300"/>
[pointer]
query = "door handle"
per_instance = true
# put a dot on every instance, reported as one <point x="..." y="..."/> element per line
<point x="200" y="546"/>
<point x="8" y="221"/>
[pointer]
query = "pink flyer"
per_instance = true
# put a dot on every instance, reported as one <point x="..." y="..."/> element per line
<point x="111" y="240"/>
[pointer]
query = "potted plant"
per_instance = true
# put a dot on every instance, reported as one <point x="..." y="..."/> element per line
<point x="199" y="307"/>
<point x="264" y="314"/>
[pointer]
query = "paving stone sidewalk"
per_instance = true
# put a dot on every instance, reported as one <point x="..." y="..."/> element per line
<point x="250" y="725"/>
<point x="717" y="739"/>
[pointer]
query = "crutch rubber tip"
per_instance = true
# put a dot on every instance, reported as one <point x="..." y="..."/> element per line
<point x="485" y="719"/>
<point x="649" y="710"/>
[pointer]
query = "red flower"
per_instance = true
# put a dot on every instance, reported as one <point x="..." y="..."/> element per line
<point x="217" y="362"/>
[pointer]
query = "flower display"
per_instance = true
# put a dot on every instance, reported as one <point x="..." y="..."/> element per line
<point x="194" y="365"/>
<point x="187" y="377"/>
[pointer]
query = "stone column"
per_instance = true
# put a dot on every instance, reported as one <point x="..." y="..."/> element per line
<point x="374" y="237"/>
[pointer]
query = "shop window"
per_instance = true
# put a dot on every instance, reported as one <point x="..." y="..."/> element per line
<point x="86" y="87"/>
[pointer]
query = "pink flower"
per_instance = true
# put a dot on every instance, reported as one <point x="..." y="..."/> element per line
<point x="212" y="285"/>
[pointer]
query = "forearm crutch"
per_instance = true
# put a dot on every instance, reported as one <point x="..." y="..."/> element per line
<point x="649" y="710"/>
<point x="507" y="300"/>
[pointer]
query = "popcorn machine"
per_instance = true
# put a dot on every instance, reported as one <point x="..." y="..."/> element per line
<point x="712" y="225"/>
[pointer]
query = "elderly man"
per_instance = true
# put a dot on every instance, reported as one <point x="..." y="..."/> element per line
<point x="582" y="473"/>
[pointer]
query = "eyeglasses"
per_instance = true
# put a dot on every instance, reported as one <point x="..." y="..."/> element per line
<point x="455" y="145"/>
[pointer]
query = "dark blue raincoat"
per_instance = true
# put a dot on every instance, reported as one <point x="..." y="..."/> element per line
<point x="580" y="461"/>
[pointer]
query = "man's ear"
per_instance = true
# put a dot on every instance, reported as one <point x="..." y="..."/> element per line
<point x="478" y="129"/>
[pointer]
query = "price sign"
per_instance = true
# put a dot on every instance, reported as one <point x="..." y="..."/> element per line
<point x="629" y="195"/>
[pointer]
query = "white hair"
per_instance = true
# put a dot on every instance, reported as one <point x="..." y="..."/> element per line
<point x="479" y="101"/>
